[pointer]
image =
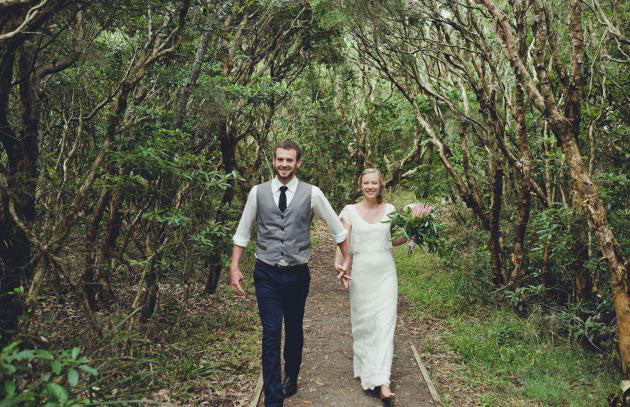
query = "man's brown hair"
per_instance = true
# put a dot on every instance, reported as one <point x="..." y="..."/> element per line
<point x="289" y="145"/>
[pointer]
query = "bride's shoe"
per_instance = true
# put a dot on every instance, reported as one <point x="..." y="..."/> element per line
<point x="386" y="393"/>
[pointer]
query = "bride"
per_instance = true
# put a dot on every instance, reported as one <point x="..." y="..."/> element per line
<point x="373" y="284"/>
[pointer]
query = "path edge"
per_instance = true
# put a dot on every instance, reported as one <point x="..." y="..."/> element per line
<point x="257" y="391"/>
<point x="427" y="378"/>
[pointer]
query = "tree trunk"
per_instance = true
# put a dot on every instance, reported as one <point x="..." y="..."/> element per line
<point x="88" y="277"/>
<point x="97" y="275"/>
<point x="426" y="189"/>
<point x="184" y="94"/>
<point x="22" y="155"/>
<point x="523" y="202"/>
<point x="104" y="260"/>
<point x="228" y="143"/>
<point x="14" y="248"/>
<point x="152" y="291"/>
<point x="360" y="149"/>
<point x="593" y="206"/>
<point x="215" y="264"/>
<point x="579" y="256"/>
<point x="495" y="222"/>
<point x="519" y="252"/>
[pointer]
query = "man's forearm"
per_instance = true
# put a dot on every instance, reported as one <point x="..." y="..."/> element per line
<point x="338" y="256"/>
<point x="343" y="246"/>
<point x="237" y="253"/>
<point x="235" y="273"/>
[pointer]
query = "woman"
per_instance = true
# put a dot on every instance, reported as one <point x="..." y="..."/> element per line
<point x="373" y="285"/>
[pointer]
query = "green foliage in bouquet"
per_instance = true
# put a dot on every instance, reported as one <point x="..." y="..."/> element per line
<point x="418" y="221"/>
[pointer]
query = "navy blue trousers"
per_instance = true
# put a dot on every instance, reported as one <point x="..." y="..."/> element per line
<point x="281" y="294"/>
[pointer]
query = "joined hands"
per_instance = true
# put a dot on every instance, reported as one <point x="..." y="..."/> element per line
<point x="344" y="273"/>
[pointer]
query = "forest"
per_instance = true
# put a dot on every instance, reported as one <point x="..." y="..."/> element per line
<point x="132" y="131"/>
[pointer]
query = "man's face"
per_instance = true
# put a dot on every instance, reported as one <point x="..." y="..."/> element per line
<point x="285" y="163"/>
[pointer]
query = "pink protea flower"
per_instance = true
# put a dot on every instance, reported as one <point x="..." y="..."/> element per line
<point x="419" y="210"/>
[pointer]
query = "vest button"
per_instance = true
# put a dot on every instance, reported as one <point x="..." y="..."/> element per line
<point x="282" y="228"/>
<point x="281" y="216"/>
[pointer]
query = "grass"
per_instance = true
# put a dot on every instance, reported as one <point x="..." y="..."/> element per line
<point x="505" y="359"/>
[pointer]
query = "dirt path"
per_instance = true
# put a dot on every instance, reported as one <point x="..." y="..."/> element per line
<point x="326" y="376"/>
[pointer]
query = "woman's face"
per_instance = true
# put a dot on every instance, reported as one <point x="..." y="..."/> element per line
<point x="370" y="186"/>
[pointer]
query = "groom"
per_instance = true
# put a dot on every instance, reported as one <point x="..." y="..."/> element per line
<point x="283" y="209"/>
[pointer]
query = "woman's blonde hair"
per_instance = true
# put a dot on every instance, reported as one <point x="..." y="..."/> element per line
<point x="381" y="182"/>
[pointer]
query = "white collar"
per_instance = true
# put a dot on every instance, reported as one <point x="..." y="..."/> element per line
<point x="276" y="184"/>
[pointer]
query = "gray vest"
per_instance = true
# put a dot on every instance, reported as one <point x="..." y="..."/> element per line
<point x="284" y="235"/>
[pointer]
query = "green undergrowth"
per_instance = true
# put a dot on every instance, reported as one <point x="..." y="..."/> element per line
<point x="198" y="350"/>
<point x="506" y="359"/>
<point x="205" y="350"/>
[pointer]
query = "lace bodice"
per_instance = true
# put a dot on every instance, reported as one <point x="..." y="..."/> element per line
<point x="367" y="237"/>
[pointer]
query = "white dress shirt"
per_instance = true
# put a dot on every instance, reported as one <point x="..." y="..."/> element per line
<point x="319" y="204"/>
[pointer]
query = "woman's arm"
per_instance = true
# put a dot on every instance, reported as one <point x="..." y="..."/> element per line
<point x="338" y="255"/>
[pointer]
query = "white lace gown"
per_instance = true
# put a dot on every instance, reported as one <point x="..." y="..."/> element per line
<point x="373" y="297"/>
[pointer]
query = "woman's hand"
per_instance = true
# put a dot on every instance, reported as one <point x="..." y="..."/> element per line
<point x="399" y="241"/>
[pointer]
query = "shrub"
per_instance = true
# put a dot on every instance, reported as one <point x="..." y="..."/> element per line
<point x="37" y="377"/>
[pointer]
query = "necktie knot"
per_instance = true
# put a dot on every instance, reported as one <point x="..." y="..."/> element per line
<point x="282" y="203"/>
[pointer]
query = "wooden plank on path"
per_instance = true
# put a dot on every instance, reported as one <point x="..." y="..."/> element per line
<point x="257" y="391"/>
<point x="427" y="378"/>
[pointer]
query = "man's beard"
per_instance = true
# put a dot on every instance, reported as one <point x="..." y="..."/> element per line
<point x="281" y="178"/>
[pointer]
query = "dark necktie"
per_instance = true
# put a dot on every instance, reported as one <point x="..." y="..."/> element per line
<point x="282" y="203"/>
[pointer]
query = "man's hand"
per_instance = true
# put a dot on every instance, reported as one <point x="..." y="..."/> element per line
<point x="235" y="280"/>
<point x="235" y="272"/>
<point x="347" y="264"/>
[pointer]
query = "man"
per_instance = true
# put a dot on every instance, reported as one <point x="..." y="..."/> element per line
<point x="283" y="209"/>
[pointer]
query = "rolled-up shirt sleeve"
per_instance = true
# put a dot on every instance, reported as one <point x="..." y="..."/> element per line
<point x="244" y="229"/>
<point x="321" y="208"/>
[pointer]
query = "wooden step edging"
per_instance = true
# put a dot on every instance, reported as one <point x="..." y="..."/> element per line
<point x="257" y="391"/>
<point x="427" y="378"/>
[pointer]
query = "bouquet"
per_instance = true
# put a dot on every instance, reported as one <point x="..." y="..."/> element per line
<point x="418" y="224"/>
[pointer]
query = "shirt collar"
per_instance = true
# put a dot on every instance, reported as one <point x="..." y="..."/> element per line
<point x="292" y="185"/>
